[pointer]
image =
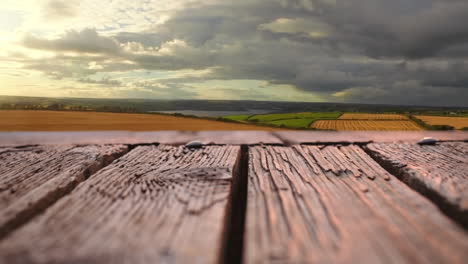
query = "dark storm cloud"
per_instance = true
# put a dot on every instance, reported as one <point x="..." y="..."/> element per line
<point x="384" y="51"/>
<point x="405" y="29"/>
<point x="455" y="75"/>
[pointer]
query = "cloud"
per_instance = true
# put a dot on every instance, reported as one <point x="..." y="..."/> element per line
<point x="413" y="52"/>
<point x="309" y="28"/>
<point x="455" y="74"/>
<point x="85" y="41"/>
<point x="107" y="82"/>
<point x="405" y="29"/>
<point x="60" y="9"/>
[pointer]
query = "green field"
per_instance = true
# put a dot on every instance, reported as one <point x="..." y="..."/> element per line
<point x="288" y="120"/>
<point x="292" y="123"/>
<point x="237" y="117"/>
<point x="274" y="117"/>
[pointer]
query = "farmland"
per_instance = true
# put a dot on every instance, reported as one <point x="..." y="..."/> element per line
<point x="24" y="120"/>
<point x="333" y="121"/>
<point x="237" y="117"/>
<point x="456" y="122"/>
<point x="363" y="116"/>
<point x="287" y="116"/>
<point x="292" y="123"/>
<point x="378" y="125"/>
<point x="290" y="120"/>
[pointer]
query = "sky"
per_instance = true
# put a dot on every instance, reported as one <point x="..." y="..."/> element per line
<point x="412" y="52"/>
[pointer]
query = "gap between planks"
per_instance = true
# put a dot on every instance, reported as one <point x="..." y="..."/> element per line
<point x="341" y="206"/>
<point x="233" y="237"/>
<point x="19" y="247"/>
<point x="403" y="170"/>
<point x="232" y="248"/>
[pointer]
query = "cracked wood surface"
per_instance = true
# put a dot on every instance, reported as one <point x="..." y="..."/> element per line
<point x="125" y="137"/>
<point x="220" y="137"/>
<point x="331" y="204"/>
<point x="440" y="171"/>
<point x="303" y="137"/>
<point x="34" y="177"/>
<point x="154" y="205"/>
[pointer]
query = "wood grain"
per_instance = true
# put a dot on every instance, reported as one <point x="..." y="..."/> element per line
<point x="34" y="177"/>
<point x="154" y="205"/>
<point x="302" y="137"/>
<point x="219" y="137"/>
<point x="123" y="137"/>
<point x="329" y="204"/>
<point x="238" y="137"/>
<point x="440" y="172"/>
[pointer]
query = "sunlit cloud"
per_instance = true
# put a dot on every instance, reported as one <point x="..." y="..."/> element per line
<point x="370" y="51"/>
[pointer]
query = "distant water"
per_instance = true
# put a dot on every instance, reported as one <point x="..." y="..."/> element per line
<point x="216" y="113"/>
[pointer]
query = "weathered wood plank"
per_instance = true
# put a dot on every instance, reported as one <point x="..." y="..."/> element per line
<point x="317" y="204"/>
<point x="123" y="137"/>
<point x="154" y="205"/>
<point x="238" y="137"/>
<point x="95" y="137"/>
<point x="301" y="137"/>
<point x="219" y="137"/>
<point x="440" y="172"/>
<point x="32" y="178"/>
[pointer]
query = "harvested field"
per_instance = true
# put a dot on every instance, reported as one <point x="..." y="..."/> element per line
<point x="362" y="116"/>
<point x="94" y="121"/>
<point x="456" y="122"/>
<point x="378" y="125"/>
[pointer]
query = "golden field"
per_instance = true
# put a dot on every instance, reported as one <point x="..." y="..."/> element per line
<point x="20" y="120"/>
<point x="397" y="125"/>
<point x="456" y="122"/>
<point x="362" y="116"/>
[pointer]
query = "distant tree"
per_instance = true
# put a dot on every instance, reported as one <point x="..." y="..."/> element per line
<point x="442" y="127"/>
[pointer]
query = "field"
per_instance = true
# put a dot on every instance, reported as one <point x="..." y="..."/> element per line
<point x="275" y="117"/>
<point x="397" y="125"/>
<point x="237" y="117"/>
<point x="292" y="123"/>
<point x="456" y="122"/>
<point x="362" y="116"/>
<point x="289" y="120"/>
<point x="24" y="120"/>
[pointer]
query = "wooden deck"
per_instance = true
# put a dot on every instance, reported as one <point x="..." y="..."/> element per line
<point x="243" y="197"/>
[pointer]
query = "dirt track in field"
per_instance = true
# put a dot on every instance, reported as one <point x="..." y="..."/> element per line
<point x="20" y="120"/>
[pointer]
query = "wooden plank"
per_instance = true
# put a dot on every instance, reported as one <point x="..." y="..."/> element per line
<point x="95" y="137"/>
<point x="317" y="204"/>
<point x="154" y="205"/>
<point x="238" y="137"/>
<point x="220" y="137"/>
<point x="122" y="137"/>
<point x="32" y="178"/>
<point x="439" y="172"/>
<point x="301" y="137"/>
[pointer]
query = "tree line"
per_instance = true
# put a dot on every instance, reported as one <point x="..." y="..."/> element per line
<point x="64" y="107"/>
